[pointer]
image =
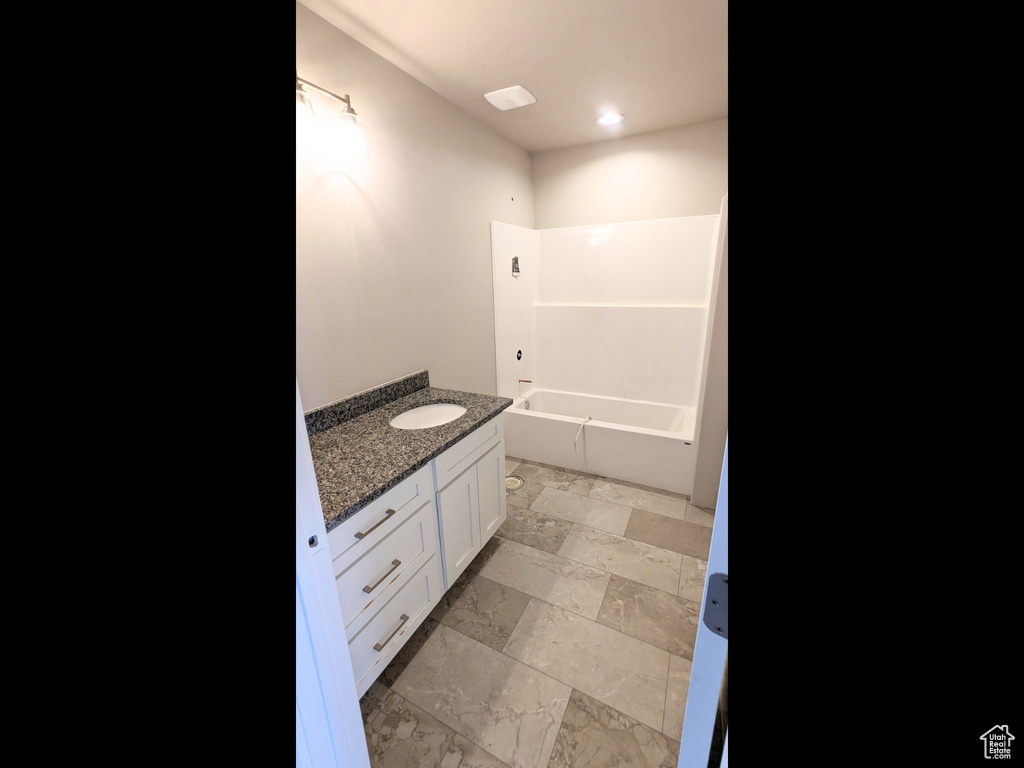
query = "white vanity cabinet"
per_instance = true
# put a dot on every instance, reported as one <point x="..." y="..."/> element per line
<point x="471" y="505"/>
<point x="387" y="572"/>
<point x="395" y="557"/>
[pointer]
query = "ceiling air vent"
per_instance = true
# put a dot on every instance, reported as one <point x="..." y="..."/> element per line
<point x="510" y="98"/>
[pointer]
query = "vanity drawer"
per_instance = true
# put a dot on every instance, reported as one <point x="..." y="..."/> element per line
<point x="366" y="528"/>
<point x="380" y="573"/>
<point x="376" y="644"/>
<point x="452" y="462"/>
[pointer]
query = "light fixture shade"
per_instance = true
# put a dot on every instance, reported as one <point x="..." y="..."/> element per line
<point x="353" y="141"/>
<point x="335" y="144"/>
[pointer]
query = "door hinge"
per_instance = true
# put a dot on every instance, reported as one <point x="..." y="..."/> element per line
<point x="716" y="604"/>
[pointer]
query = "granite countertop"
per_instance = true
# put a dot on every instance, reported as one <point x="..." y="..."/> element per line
<point x="361" y="458"/>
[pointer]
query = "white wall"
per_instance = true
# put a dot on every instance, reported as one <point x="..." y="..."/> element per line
<point x="622" y="308"/>
<point x="393" y="262"/>
<point x="657" y="175"/>
<point x="618" y="310"/>
<point x="676" y="172"/>
<point x="714" y="416"/>
<point x="664" y="262"/>
<point x="514" y="297"/>
<point x="637" y="353"/>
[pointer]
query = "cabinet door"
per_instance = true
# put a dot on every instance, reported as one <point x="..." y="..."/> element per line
<point x="491" y="477"/>
<point x="458" y="505"/>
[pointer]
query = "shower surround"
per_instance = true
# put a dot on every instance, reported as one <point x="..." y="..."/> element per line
<point x="611" y="318"/>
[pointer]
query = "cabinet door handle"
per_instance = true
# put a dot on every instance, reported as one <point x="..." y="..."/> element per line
<point x="380" y="646"/>
<point x="387" y="514"/>
<point x="394" y="564"/>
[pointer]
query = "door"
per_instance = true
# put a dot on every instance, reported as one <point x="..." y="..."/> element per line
<point x="328" y="724"/>
<point x="458" y="505"/>
<point x="711" y="648"/>
<point x="490" y="472"/>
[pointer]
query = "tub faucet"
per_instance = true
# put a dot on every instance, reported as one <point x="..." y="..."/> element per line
<point x="521" y="382"/>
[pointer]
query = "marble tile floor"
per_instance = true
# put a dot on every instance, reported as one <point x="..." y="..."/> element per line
<point x="566" y="643"/>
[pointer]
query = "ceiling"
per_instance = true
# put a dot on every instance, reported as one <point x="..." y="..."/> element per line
<point x="661" y="63"/>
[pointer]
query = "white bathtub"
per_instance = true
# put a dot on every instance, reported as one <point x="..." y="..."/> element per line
<point x="633" y="440"/>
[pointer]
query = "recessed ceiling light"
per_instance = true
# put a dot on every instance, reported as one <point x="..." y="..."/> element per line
<point x="610" y="118"/>
<point x="510" y="98"/>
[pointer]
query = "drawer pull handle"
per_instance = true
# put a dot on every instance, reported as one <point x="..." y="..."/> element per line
<point x="380" y="646"/>
<point x="394" y="564"/>
<point x="387" y="514"/>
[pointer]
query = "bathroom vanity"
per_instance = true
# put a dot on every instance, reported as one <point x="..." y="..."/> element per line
<point x="406" y="509"/>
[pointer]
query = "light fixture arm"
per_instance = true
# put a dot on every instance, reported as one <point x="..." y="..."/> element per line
<point x="345" y="99"/>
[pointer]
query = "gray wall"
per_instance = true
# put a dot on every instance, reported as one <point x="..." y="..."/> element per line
<point x="657" y="175"/>
<point x="393" y="262"/>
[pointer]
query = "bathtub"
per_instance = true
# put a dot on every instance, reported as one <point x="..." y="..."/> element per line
<point x="641" y="442"/>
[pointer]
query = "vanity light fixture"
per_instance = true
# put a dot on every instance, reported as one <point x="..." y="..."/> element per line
<point x="301" y="97"/>
<point x="352" y="141"/>
<point x="610" y="118"/>
<point x="303" y="108"/>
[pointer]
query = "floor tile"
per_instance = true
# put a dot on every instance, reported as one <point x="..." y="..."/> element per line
<point x="462" y="753"/>
<point x="372" y="700"/>
<point x="594" y="735"/>
<point x="692" y="574"/>
<point x="502" y="705"/>
<point x="678" y="535"/>
<point x="652" y="615"/>
<point x="534" y="529"/>
<point x="675" y="701"/>
<point x="623" y="672"/>
<point x="487" y="551"/>
<point x="408" y="651"/>
<point x="595" y="513"/>
<point x="640" y="497"/>
<point x="636" y="560"/>
<point x="591" y="584"/>
<point x="571" y="585"/>
<point x="556" y="477"/>
<point x="453" y="593"/>
<point x="700" y="516"/>
<point x="486" y="611"/>
<point x="525" y="495"/>
<point x="400" y="734"/>
<point x="416" y="640"/>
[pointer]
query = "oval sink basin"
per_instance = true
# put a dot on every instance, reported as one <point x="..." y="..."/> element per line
<point x="432" y="415"/>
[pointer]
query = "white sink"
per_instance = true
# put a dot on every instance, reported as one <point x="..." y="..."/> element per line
<point x="425" y="416"/>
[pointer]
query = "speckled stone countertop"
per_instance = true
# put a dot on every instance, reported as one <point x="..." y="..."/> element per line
<point x="363" y="457"/>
